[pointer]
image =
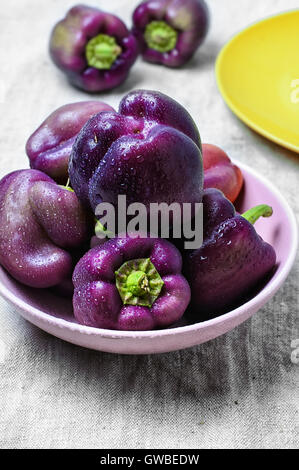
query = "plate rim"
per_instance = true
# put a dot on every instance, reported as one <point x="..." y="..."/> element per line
<point x="243" y="117"/>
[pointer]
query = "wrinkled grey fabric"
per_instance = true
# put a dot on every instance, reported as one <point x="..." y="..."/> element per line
<point x="238" y="391"/>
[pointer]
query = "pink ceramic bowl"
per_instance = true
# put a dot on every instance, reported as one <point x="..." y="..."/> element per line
<point x="54" y="314"/>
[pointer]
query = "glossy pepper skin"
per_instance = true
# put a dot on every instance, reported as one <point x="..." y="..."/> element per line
<point x="98" y="302"/>
<point x="93" y="48"/>
<point x="220" y="172"/>
<point x="40" y="224"/>
<point x="50" y="146"/>
<point x="232" y="260"/>
<point x="170" y="31"/>
<point x="150" y="151"/>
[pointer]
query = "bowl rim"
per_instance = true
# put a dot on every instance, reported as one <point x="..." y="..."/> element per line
<point x="230" y="102"/>
<point x="271" y="287"/>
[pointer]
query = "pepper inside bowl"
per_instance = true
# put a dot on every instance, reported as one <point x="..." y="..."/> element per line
<point x="54" y="314"/>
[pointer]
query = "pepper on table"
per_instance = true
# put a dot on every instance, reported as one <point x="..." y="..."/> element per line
<point x="93" y="48"/>
<point x="170" y="31"/>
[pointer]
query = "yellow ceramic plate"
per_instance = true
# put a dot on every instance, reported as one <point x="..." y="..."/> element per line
<point x="258" y="75"/>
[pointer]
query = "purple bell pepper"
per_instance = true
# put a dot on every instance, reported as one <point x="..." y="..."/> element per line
<point x="150" y="151"/>
<point x="40" y="224"/>
<point x="50" y="146"/>
<point x="93" y="48"/>
<point x="170" y="31"/>
<point x="233" y="259"/>
<point x="130" y="284"/>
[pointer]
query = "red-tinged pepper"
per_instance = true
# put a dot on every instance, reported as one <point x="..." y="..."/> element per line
<point x="220" y="172"/>
<point x="170" y="31"/>
<point x="93" y="48"/>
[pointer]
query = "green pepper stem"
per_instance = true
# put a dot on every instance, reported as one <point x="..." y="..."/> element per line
<point x="102" y="51"/>
<point x="160" y="36"/>
<point x="67" y="186"/>
<point x="252" y="215"/>
<point x="138" y="282"/>
<point x="101" y="231"/>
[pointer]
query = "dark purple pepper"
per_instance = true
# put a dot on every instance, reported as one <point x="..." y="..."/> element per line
<point x="130" y="284"/>
<point x="50" y="146"/>
<point x="93" y="48"/>
<point x="233" y="259"/>
<point x="150" y="151"/>
<point x="41" y="223"/>
<point x="170" y="31"/>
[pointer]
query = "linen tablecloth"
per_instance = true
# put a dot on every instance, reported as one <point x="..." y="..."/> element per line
<point x="240" y="390"/>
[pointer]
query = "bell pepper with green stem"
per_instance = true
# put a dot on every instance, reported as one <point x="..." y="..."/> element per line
<point x="130" y="284"/>
<point x="170" y="31"/>
<point x="93" y="48"/>
<point x="233" y="259"/>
